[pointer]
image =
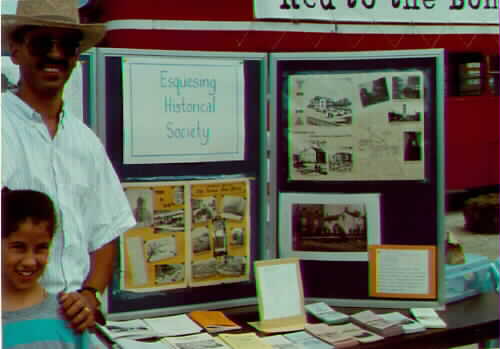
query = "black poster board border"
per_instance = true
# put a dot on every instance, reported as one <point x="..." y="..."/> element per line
<point x="415" y="207"/>
<point x="122" y="305"/>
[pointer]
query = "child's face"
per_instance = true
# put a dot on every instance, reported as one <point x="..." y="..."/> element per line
<point x="24" y="255"/>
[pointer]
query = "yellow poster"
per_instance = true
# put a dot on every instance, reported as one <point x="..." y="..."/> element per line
<point x="220" y="232"/>
<point x="189" y="233"/>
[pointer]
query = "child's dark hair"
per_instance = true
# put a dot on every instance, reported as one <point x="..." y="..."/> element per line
<point x="19" y="205"/>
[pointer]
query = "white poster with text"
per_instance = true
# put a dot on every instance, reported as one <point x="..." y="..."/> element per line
<point x="408" y="11"/>
<point x="182" y="110"/>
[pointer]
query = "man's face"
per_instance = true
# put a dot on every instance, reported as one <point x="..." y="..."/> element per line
<point x="46" y="58"/>
<point x="24" y="256"/>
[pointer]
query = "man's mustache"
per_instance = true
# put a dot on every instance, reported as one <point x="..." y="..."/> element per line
<point x="54" y="62"/>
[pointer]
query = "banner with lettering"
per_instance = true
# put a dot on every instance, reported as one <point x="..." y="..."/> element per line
<point x="407" y="11"/>
<point x="182" y="110"/>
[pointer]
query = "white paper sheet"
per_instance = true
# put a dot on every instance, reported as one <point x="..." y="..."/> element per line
<point x="176" y="325"/>
<point x="403" y="271"/>
<point x="279" y="287"/>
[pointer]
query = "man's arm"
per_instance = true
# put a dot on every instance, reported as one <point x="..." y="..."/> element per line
<point x="101" y="267"/>
<point x="76" y="305"/>
<point x="100" y="275"/>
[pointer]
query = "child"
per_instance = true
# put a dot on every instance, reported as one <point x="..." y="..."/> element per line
<point x="30" y="316"/>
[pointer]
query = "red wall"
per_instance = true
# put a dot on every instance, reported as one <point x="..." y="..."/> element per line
<point x="472" y="123"/>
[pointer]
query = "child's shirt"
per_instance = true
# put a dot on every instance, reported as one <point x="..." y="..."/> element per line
<point x="42" y="327"/>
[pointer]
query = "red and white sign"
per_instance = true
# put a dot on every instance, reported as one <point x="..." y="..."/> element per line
<point x="401" y="11"/>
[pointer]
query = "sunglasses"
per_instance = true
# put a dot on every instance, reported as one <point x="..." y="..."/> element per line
<point x="41" y="46"/>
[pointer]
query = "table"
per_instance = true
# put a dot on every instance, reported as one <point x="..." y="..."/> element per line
<point x="469" y="321"/>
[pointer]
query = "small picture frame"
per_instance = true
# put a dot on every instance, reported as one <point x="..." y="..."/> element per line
<point x="280" y="295"/>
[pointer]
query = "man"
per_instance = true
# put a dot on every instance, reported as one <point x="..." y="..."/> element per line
<point x="44" y="148"/>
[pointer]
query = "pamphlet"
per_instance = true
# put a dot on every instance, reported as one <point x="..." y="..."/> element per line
<point x="248" y="340"/>
<point x="176" y="325"/>
<point x="323" y="312"/>
<point x="200" y="340"/>
<point x="131" y="329"/>
<point x="360" y="334"/>
<point x="306" y="340"/>
<point x="331" y="335"/>
<point x="373" y="322"/>
<point x="428" y="317"/>
<point x="213" y="321"/>
<point x="278" y="341"/>
<point x="409" y="325"/>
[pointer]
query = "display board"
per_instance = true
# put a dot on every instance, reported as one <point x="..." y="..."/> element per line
<point x="357" y="177"/>
<point x="185" y="132"/>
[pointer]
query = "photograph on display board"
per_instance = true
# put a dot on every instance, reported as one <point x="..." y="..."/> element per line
<point x="189" y="233"/>
<point x="357" y="126"/>
<point x="329" y="226"/>
<point x="335" y="228"/>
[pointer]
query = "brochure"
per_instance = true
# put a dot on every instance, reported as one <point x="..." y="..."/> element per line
<point x="248" y="340"/>
<point x="323" y="312"/>
<point x="176" y="325"/>
<point x="428" y="317"/>
<point x="213" y="321"/>
<point x="409" y="325"/>
<point x="200" y="340"/>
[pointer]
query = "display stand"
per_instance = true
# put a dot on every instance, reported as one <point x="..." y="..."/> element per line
<point x="192" y="123"/>
<point x="280" y="296"/>
<point x="357" y="176"/>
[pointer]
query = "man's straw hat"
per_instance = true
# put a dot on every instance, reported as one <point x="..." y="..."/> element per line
<point x="52" y="14"/>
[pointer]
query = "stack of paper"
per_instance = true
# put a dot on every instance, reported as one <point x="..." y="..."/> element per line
<point x="244" y="341"/>
<point x="200" y="340"/>
<point x="409" y="325"/>
<point x="371" y="321"/>
<point x="331" y="335"/>
<point x="278" y="341"/>
<point x="305" y="340"/>
<point x="360" y="334"/>
<point x="213" y="321"/>
<point x="323" y="312"/>
<point x="428" y="317"/>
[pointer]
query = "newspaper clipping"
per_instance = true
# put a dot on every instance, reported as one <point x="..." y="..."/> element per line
<point x="360" y="126"/>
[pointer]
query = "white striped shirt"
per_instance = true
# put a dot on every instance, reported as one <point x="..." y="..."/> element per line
<point x="74" y="170"/>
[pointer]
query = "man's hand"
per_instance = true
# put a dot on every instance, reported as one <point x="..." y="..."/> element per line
<point x="78" y="310"/>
